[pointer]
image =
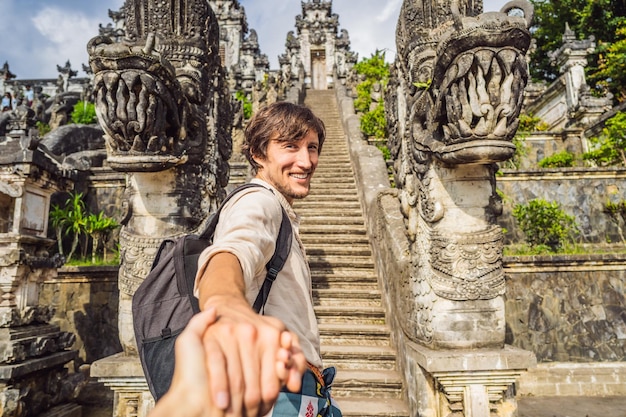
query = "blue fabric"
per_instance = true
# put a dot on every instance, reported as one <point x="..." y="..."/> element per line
<point x="313" y="400"/>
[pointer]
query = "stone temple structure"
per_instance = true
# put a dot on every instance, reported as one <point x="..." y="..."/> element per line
<point x="239" y="50"/>
<point x="317" y="50"/>
<point x="163" y="90"/>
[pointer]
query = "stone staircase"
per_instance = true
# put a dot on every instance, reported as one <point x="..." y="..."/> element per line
<point x="355" y="338"/>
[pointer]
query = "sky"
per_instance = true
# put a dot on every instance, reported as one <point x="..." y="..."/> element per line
<point x="38" y="35"/>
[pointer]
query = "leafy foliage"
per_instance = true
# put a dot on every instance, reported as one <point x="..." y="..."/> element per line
<point x="373" y="123"/>
<point x="84" y="113"/>
<point x="73" y="220"/>
<point x="611" y="74"/>
<point x="562" y="159"/>
<point x="530" y="123"/>
<point x="98" y="226"/>
<point x="42" y="128"/>
<point x="598" y="18"/>
<point x="610" y="147"/>
<point x="373" y="71"/>
<point x="245" y="102"/>
<point x="521" y="151"/>
<point x="545" y="224"/>
<point x="617" y="213"/>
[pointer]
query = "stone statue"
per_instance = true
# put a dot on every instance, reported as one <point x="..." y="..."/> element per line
<point x="162" y="100"/>
<point x="452" y="104"/>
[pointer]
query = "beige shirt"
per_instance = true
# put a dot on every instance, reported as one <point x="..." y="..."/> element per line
<point x="248" y="228"/>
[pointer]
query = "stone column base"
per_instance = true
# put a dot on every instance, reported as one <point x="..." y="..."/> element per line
<point x="474" y="382"/>
<point x="124" y="375"/>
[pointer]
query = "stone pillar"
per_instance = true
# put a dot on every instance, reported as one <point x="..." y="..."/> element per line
<point x="33" y="353"/>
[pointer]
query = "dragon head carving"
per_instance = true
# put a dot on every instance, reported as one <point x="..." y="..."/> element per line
<point x="155" y="90"/>
<point x="464" y="73"/>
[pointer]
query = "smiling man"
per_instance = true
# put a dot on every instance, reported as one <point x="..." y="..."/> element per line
<point x="251" y="357"/>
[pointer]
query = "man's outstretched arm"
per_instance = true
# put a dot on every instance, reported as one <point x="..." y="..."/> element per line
<point x="249" y="356"/>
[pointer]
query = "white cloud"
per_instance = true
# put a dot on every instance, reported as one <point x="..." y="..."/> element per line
<point x="392" y="9"/>
<point x="67" y="34"/>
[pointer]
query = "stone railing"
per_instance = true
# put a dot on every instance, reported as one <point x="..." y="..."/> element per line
<point x="576" y="302"/>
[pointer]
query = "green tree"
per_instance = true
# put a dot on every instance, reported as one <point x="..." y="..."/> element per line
<point x="69" y="221"/>
<point x="374" y="73"/>
<point x="617" y="212"/>
<point x="611" y="72"/>
<point x="598" y="18"/>
<point x="372" y="70"/>
<point x="610" y="147"/>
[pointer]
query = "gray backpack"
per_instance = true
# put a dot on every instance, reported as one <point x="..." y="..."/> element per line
<point x="164" y="303"/>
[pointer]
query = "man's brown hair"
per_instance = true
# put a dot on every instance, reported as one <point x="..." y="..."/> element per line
<point x="281" y="121"/>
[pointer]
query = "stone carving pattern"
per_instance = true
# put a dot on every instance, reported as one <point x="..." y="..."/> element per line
<point x="453" y="99"/>
<point x="162" y="100"/>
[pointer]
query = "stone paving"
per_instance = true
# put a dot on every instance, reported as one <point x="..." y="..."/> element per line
<point x="572" y="406"/>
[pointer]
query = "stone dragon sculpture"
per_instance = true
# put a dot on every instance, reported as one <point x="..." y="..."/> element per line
<point x="452" y="105"/>
<point x="162" y="100"/>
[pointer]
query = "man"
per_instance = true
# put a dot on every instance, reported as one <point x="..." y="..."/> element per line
<point x="245" y="351"/>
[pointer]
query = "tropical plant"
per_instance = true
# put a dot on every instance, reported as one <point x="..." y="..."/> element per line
<point x="562" y="159"/>
<point x="609" y="148"/>
<point x="98" y="226"/>
<point x="373" y="70"/>
<point x="74" y="221"/>
<point x="530" y="123"/>
<point x="545" y="224"/>
<point x="617" y="212"/>
<point x="84" y="113"/>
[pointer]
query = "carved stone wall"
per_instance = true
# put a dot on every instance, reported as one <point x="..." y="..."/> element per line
<point x="567" y="308"/>
<point x="85" y="300"/>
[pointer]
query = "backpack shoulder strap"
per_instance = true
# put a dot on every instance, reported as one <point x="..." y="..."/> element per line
<point x="276" y="263"/>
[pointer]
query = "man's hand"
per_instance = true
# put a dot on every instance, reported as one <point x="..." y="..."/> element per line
<point x="249" y="357"/>
<point x="188" y="395"/>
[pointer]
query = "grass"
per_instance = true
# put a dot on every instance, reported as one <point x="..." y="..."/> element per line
<point x="570" y="249"/>
<point x="110" y="261"/>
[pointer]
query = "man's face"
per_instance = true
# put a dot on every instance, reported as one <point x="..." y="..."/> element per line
<point x="289" y="166"/>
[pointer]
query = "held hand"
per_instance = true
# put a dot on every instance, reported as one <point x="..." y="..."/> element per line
<point x="250" y="357"/>
<point x="188" y="395"/>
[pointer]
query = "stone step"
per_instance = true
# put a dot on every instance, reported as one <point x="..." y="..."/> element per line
<point x="338" y="239"/>
<point x="347" y="299"/>
<point x="338" y="261"/>
<point x="350" y="314"/>
<point x="349" y="334"/>
<point x="367" y="384"/>
<point x="359" y="357"/>
<point x="372" y="407"/>
<point x="328" y="205"/>
<point x="324" y="249"/>
<point x="344" y="275"/>
<point x="323" y="219"/>
<point x="355" y="297"/>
